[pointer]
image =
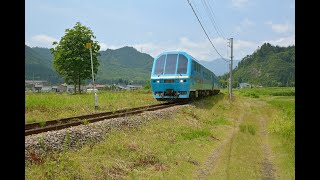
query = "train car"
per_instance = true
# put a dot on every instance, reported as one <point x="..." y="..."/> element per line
<point x="177" y="75"/>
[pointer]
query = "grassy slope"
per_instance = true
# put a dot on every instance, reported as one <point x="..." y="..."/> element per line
<point x="48" y="106"/>
<point x="180" y="144"/>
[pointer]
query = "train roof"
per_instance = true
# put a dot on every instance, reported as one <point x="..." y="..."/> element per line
<point x="182" y="52"/>
<point x="178" y="52"/>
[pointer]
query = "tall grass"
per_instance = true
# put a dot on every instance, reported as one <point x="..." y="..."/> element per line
<point x="47" y="106"/>
<point x="268" y="91"/>
<point x="283" y="123"/>
<point x="248" y="127"/>
<point x="168" y="149"/>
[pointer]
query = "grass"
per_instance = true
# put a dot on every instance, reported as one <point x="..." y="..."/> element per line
<point x="282" y="129"/>
<point x="171" y="148"/>
<point x="194" y="133"/>
<point x="242" y="156"/>
<point x="179" y="144"/>
<point x="48" y="106"/>
<point x="248" y="128"/>
<point x="264" y="92"/>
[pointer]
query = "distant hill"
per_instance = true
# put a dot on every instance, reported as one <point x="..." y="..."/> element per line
<point x="38" y="65"/>
<point x="121" y="64"/>
<point x="268" y="66"/>
<point x="125" y="63"/>
<point x="219" y="66"/>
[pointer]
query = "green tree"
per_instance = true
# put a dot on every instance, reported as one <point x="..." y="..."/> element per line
<point x="147" y="85"/>
<point x="71" y="57"/>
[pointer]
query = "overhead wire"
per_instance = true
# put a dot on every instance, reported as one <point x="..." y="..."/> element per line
<point x="213" y="22"/>
<point x="206" y="32"/>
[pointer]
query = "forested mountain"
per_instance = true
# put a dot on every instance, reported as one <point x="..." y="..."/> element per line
<point x="125" y="64"/>
<point x="268" y="66"/>
<point x="38" y="65"/>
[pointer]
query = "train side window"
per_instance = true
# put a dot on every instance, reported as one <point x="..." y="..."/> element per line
<point x="197" y="67"/>
<point x="171" y="63"/>
<point x="194" y="65"/>
<point x="182" y="64"/>
<point x="159" y="65"/>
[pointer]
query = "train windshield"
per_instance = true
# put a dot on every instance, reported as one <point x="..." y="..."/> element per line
<point x="159" y="65"/>
<point x="167" y="64"/>
<point x="182" y="65"/>
<point x="171" y="63"/>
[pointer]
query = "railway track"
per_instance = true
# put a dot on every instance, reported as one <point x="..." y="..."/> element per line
<point x="36" y="128"/>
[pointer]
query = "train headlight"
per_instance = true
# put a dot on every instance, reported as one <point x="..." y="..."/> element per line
<point x="181" y="80"/>
<point x="158" y="81"/>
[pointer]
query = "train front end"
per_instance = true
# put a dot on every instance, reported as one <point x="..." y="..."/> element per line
<point x="170" y="76"/>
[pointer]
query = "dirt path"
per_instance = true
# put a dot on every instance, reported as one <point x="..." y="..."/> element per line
<point x="230" y="143"/>
<point x="267" y="166"/>
<point x="210" y="163"/>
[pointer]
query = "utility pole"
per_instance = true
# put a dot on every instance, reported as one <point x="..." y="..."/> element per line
<point x="88" y="45"/>
<point x="231" y="57"/>
<point x="34" y="87"/>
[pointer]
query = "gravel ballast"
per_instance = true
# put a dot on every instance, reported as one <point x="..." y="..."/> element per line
<point x="38" y="145"/>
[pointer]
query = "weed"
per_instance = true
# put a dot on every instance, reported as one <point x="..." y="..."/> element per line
<point x="85" y="122"/>
<point x="248" y="127"/>
<point x="42" y="124"/>
<point x="195" y="133"/>
<point x="67" y="141"/>
<point x="217" y="121"/>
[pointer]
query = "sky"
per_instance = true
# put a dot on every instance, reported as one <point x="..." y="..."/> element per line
<point x="156" y="26"/>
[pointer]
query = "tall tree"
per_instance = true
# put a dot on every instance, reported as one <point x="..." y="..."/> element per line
<point x="71" y="57"/>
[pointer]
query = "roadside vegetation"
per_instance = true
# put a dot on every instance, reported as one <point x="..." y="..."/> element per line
<point x="48" y="106"/>
<point x="180" y="145"/>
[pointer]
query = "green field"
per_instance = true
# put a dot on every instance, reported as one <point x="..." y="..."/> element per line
<point x="48" y="106"/>
<point x="180" y="145"/>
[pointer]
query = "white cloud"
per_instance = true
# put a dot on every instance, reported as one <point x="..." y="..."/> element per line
<point x="104" y="46"/>
<point x="239" y="3"/>
<point x="243" y="48"/>
<point x="244" y="24"/>
<point x="284" y="41"/>
<point x="42" y="40"/>
<point x="279" y="28"/>
<point x="203" y="50"/>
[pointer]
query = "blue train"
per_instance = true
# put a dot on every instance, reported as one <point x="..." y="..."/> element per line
<point x="177" y="75"/>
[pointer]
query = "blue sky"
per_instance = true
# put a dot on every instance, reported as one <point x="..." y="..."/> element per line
<point x="154" y="26"/>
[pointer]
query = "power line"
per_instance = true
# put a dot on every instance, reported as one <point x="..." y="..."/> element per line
<point x="196" y="9"/>
<point x="215" y="24"/>
<point x="210" y="18"/>
<point x="202" y="19"/>
<point x="205" y="31"/>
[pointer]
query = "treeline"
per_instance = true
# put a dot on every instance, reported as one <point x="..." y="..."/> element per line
<point x="125" y="65"/>
<point x="269" y="66"/>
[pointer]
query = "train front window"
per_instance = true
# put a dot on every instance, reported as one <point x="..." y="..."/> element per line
<point x="182" y="64"/>
<point x="159" y="65"/>
<point x="171" y="63"/>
